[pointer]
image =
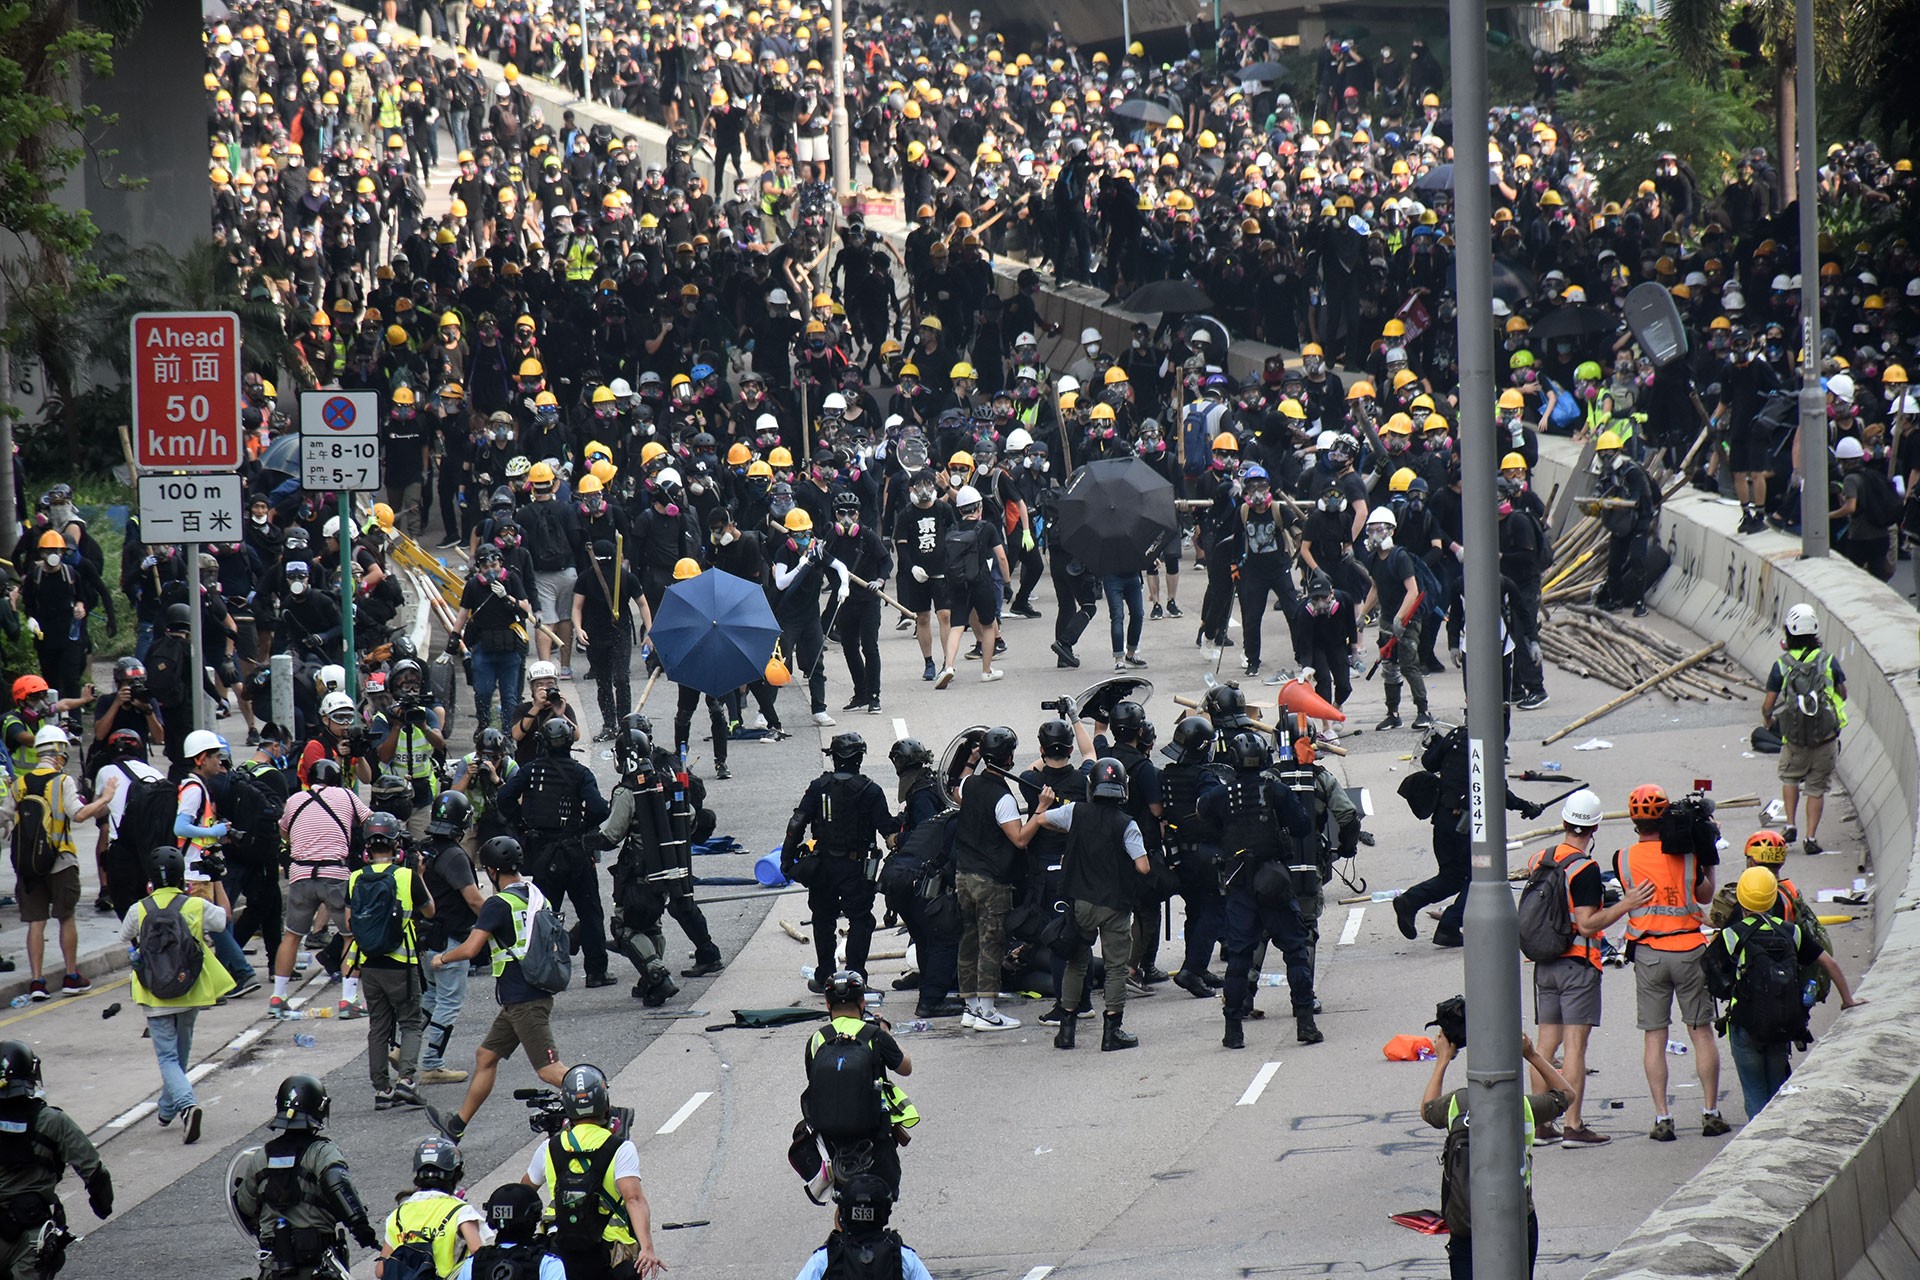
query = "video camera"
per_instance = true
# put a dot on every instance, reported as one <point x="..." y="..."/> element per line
<point x="548" y="1114"/>
<point x="1065" y="708"/>
<point x="1688" y="826"/>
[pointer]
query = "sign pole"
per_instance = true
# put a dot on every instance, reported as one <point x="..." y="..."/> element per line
<point x="196" y="639"/>
<point x="347" y="659"/>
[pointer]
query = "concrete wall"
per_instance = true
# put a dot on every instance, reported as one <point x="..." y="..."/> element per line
<point x="1822" y="1185"/>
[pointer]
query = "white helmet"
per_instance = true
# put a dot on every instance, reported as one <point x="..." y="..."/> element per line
<point x="542" y="671"/>
<point x="1026" y="340"/>
<point x="198" y="743"/>
<point x="1849" y="450"/>
<point x="1089" y="336"/>
<point x="1841" y="385"/>
<point x="1067" y="383"/>
<point x="330" y="706"/>
<point x="766" y="422"/>
<point x="1017" y="440"/>
<point x="666" y="477"/>
<point x="621" y="388"/>
<point x="52" y="735"/>
<point x="1324" y="441"/>
<point x="331" y="529"/>
<point x="332" y="678"/>
<point x="966" y="496"/>
<point x="834" y="401"/>
<point x="1582" y="809"/>
<point x="1382" y="517"/>
<point x="1802" y="621"/>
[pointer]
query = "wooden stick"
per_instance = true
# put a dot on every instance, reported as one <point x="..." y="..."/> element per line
<point x="874" y="587"/>
<point x="126" y="448"/>
<point x="1636" y="691"/>
<point x="1738" y="802"/>
<point x="646" y="692"/>
<point x="1329" y="747"/>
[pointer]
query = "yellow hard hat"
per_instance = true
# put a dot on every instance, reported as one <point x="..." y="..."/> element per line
<point x="758" y="470"/>
<point x="963" y="370"/>
<point x="1398" y="425"/>
<point x="1115" y="375"/>
<point x="588" y="483"/>
<point x="1102" y="413"/>
<point x="531" y="368"/>
<point x="1394" y="328"/>
<point x="1512" y="399"/>
<point x="650" y="450"/>
<point x="1758" y="889"/>
<point x="779" y="457"/>
<point x="687" y="567"/>
<point x="396" y="336"/>
<point x="1068" y="400"/>
<point x="798" y="521"/>
<point x="1405" y="377"/>
<point x="1607" y="440"/>
<point x="546" y="399"/>
<point x="1513" y="462"/>
<point x="540" y="473"/>
<point x="1207" y="140"/>
<point x="602" y="395"/>
<point x="1895" y="373"/>
<point x="403" y="395"/>
<point x="1401" y="480"/>
<point x="739" y="455"/>
<point x="603" y="471"/>
<point x="1138" y="50"/>
<point x="1361" y="390"/>
<point x="383" y="516"/>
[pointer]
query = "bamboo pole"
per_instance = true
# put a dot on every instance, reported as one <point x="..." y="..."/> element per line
<point x="1636" y="691"/>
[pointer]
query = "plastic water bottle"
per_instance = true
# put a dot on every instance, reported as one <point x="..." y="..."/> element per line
<point x="1273" y="979"/>
<point x="305" y="1041"/>
<point x="806" y="971"/>
<point x="1383" y="895"/>
<point x="20" y="1002"/>
<point x="918" y="1024"/>
<point x="1678" y="1049"/>
<point x="1811" y="994"/>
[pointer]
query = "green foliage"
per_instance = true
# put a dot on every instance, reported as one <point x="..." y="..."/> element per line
<point x="1631" y="105"/>
<point x="94" y="497"/>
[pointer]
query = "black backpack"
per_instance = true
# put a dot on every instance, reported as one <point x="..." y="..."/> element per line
<point x="170" y="957"/>
<point x="1546" y="921"/>
<point x="413" y="1258"/>
<point x="550" y="551"/>
<point x="34" y="851"/>
<point x="374" y="915"/>
<point x="871" y="1255"/>
<point x="257" y="805"/>
<point x="1768" y="990"/>
<point x="1878" y="501"/>
<point x="146" y="823"/>
<point x="496" y="1263"/>
<point x="579" y="1210"/>
<point x="960" y="549"/>
<point x="1456" y="1180"/>
<point x="843" y="1102"/>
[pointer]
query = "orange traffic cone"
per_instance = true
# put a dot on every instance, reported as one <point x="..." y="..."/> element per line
<point x="1300" y="699"/>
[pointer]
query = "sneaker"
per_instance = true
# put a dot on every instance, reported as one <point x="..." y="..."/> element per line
<point x="721" y="771"/>
<point x="1173" y="609"/>
<point x="1135" y="660"/>
<point x="1389" y="721"/>
<point x="449" y="1124"/>
<point x="597" y="980"/>
<point x="1053" y="1017"/>
<point x="988" y="677"/>
<point x="1580" y="1134"/>
<point x="1714" y="1125"/>
<point x="276" y="1006"/>
<point x="1251" y="666"/>
<point x="873" y="708"/>
<point x="1640" y="610"/>
<point x="1118" y="663"/>
<point x="944" y="679"/>
<point x="37" y="992"/>
<point x="994" y="1020"/>
<point x="566" y="673"/>
<point x="903" y="624"/>
<point x="76" y="983"/>
<point x="1024" y="611"/>
<point x="969" y="1022"/>
<point x="1458" y="655"/>
<point x="1811" y="847"/>
<point x="1064" y="657"/>
<point x="1276" y="677"/>
<point x="253" y="737"/>
<point x="1533" y="701"/>
<point x="383" y="1100"/>
<point x="1138" y="985"/>
<point x="350" y="1010"/>
<point x="855" y="703"/>
<point x="1422" y="719"/>
<point x="1791" y="834"/>
<point x="1545" y="1134"/>
<point x="973" y="652"/>
<point x="930" y="671"/>
<point x="190" y="1125"/>
<point x="1449" y="938"/>
<point x="440" y="1075"/>
<point x="1157" y="613"/>
<point x="1663" y="1130"/>
<point x="702" y="968"/>
<point x="760" y="721"/>
<point x="824" y="720"/>
<point x="999" y="646"/>
<point x="404" y="1095"/>
<point x="448" y="545"/>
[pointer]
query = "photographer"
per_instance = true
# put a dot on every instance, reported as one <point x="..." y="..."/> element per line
<point x="544" y="702"/>
<point x="1676" y="853"/>
<point x="131" y="705"/>
<point x="409" y="739"/>
<point x="478" y="775"/>
<point x="318" y="825"/>
<point x="602" y="1225"/>
<point x="341" y="739"/>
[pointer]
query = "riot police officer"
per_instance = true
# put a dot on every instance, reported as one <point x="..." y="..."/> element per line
<point x="555" y="801"/>
<point x="1255" y="813"/>
<point x="1130" y="730"/>
<point x="1310" y="857"/>
<point x="847" y="812"/>
<point x="1193" y="848"/>
<point x="1047" y="852"/>
<point x="922" y="865"/>
<point x="294" y="1194"/>
<point x="37" y="1141"/>
<point x="602" y="1225"/>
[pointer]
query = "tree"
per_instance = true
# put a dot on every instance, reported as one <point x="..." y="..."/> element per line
<point x="46" y="131"/>
<point x="1629" y="107"/>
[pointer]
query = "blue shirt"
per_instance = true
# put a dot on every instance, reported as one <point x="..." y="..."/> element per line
<point x="911" y="1268"/>
<point x="551" y="1268"/>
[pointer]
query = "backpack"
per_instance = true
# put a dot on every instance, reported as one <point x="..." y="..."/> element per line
<point x="1546" y="920"/>
<point x="1808" y="716"/>
<point x="1543" y="538"/>
<point x="169" y="956"/>
<point x="1767" y="988"/>
<point x="579" y="1214"/>
<point x="34" y="851"/>
<point x="548" y="964"/>
<point x="1879" y="504"/>
<point x="146" y="823"/>
<point x="960" y="546"/>
<point x="1456" y="1180"/>
<point x="1566" y="409"/>
<point x="865" y="1256"/>
<point x="374" y="916"/>
<point x="497" y="1263"/>
<point x="1433" y="596"/>
<point x="549" y="548"/>
<point x="256" y="813"/>
<point x="413" y="1259"/>
<point x="843" y="1101"/>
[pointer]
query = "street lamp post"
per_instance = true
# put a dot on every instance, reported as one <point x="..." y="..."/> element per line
<point x="842" y="162"/>
<point x="1814" y="531"/>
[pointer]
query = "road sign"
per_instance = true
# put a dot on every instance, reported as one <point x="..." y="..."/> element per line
<point x="191" y="508"/>
<point x="186" y="391"/>
<point x="339" y="440"/>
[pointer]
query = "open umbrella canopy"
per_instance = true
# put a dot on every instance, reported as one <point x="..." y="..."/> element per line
<point x="1574" y="322"/>
<point x="714" y="632"/>
<point x="282" y="455"/>
<point x="1179" y="296"/>
<point x="1116" y="515"/>
<point x="1143" y="110"/>
<point x="1261" y="71"/>
<point x="1438" y="178"/>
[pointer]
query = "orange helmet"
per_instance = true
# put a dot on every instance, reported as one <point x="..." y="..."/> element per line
<point x="1648" y="803"/>
<point x="1769" y="848"/>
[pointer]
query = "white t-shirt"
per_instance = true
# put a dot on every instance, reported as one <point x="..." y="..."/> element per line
<point x="126" y="771"/>
<point x="626" y="1164"/>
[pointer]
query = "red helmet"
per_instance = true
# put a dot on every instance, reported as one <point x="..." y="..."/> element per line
<point x="1648" y="803"/>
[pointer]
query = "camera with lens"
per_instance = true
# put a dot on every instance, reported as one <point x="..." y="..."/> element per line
<point x="214" y="864"/>
<point x="137" y="690"/>
<point x="548" y="1114"/>
<point x="1688" y="827"/>
<point x="553" y="696"/>
<point x="360" y="744"/>
<point x="1062" y="707"/>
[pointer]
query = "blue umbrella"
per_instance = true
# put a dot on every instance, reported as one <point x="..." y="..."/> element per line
<point x="714" y="632"/>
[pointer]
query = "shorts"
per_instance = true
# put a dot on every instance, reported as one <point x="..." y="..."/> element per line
<point x="1566" y="993"/>
<point x="55" y="898"/>
<point x="305" y="896"/>
<point x="1748" y="451"/>
<point x="961" y="598"/>
<point x="1809" y="768"/>
<point x="1658" y="977"/>
<point x="553" y="594"/>
<point x="918" y="596"/>
<point x="527" y="1026"/>
<point x="811" y="149"/>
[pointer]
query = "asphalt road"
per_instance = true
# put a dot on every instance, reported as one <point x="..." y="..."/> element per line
<point x="1280" y="1160"/>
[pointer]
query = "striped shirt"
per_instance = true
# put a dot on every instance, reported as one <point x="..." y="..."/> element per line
<point x="316" y="823"/>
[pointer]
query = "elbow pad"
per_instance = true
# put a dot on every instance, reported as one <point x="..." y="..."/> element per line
<point x="346" y="1200"/>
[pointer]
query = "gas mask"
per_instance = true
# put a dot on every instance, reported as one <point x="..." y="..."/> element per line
<point x="52" y="559"/>
<point x="1259" y="498"/>
<point x="923" y="495"/>
<point x="723" y="537"/>
<point x="297" y="585"/>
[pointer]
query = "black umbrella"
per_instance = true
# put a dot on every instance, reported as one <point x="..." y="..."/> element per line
<point x="1261" y="71"/>
<point x="1178" y="296"/>
<point x="282" y="455"/>
<point x="1574" y="322"/>
<point x="1511" y="285"/>
<point x="1141" y="109"/>
<point x="1116" y="515"/>
<point x="1438" y="178"/>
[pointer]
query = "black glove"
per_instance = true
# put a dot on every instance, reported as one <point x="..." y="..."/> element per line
<point x="100" y="1193"/>
<point x="1530" y="810"/>
<point x="362" y="1232"/>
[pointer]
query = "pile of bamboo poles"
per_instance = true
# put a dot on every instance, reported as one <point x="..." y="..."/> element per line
<point x="1580" y="563"/>
<point x="1601" y="646"/>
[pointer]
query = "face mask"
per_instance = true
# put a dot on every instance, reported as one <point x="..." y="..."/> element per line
<point x="53" y="559"/>
<point x="802" y="541"/>
<point x="298" y="586"/>
<point x="723" y="539"/>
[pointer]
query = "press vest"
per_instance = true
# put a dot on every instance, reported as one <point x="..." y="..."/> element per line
<point x="1526" y="1130"/>
<point x="520" y="897"/>
<point x="403" y="883"/>
<point x="1671" y="922"/>
<point x="214" y="979"/>
<point x="414" y="754"/>
<point x="430" y="1221"/>
<point x="1574" y="862"/>
<point x="576" y="1145"/>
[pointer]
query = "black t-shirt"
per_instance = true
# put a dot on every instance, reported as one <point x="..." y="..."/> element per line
<point x="496" y="917"/>
<point x="1390" y="573"/>
<point x="447" y="875"/>
<point x="917" y="533"/>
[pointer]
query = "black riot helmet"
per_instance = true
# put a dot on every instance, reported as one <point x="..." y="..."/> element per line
<point x="1109" y="780"/>
<point x="514" y="1212"/>
<point x="179" y="617"/>
<point x="452" y="814"/>
<point x="324" y="772"/>
<point x="19" y="1070"/>
<point x="405" y="650"/>
<point x="847" y="751"/>
<point x="1126" y="720"/>
<point x="502" y="853"/>
<point x="556" y="735"/>
<point x="1192" y="741"/>
<point x="490" y="741"/>
<point x="997" y="746"/>
<point x="1056" y="738"/>
<point x="849" y="986"/>
<point x="638" y="722"/>
<point x="167" y="867"/>
<point x="436" y="1164"/>
<point x="908" y="754"/>
<point x="1226" y="706"/>
<point x="1247" y="750"/>
<point x="866" y="1203"/>
<point x="300" y="1103"/>
<point x="381" y="830"/>
<point x="584" y="1093"/>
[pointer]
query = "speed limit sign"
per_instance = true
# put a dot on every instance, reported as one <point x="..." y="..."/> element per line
<point x="186" y="391"/>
